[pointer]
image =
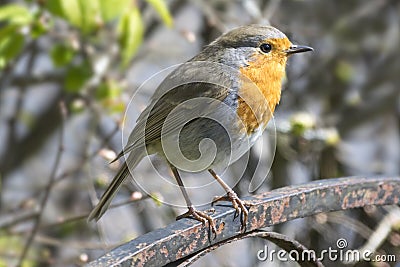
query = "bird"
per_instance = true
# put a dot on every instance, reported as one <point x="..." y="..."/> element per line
<point x="209" y="111"/>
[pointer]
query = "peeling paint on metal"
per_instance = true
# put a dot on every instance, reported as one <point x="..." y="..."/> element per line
<point x="187" y="237"/>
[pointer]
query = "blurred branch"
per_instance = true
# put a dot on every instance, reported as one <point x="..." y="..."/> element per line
<point x="382" y="231"/>
<point x="79" y="245"/>
<point x="85" y="215"/>
<point x="7" y="221"/>
<point x="211" y="14"/>
<point x="7" y="73"/>
<point x="365" y="113"/>
<point x="351" y="223"/>
<point x="45" y="123"/>
<point x="21" y="217"/>
<point x="11" y="140"/>
<point x="282" y="241"/>
<point x="52" y="177"/>
<point x="271" y="9"/>
<point x="23" y="80"/>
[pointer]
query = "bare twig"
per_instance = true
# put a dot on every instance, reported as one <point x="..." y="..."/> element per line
<point x="24" y="80"/>
<point x="82" y="216"/>
<point x="68" y="173"/>
<point x="21" y="217"/>
<point x="79" y="244"/>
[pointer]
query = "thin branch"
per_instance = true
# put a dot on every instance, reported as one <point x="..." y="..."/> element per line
<point x="24" y="80"/>
<point x="82" y="216"/>
<point x="7" y="221"/>
<point x="21" y="217"/>
<point x="48" y="188"/>
<point x="11" y="140"/>
<point x="68" y="173"/>
<point x="7" y="72"/>
<point x="78" y="244"/>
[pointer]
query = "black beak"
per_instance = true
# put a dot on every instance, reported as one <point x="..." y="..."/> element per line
<point x="298" y="49"/>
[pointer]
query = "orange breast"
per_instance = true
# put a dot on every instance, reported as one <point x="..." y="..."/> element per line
<point x="260" y="90"/>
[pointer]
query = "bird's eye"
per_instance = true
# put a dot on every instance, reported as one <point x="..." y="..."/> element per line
<point x="265" y="48"/>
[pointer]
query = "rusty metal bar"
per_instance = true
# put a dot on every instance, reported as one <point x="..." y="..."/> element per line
<point x="186" y="237"/>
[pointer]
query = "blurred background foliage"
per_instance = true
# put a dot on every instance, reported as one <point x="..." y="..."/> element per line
<point x="69" y="67"/>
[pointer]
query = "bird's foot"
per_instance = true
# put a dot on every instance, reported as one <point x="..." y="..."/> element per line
<point x="200" y="216"/>
<point x="239" y="206"/>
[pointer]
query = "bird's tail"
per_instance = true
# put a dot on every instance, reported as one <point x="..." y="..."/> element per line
<point x="133" y="159"/>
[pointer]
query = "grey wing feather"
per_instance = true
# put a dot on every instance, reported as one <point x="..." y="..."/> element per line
<point x="190" y="81"/>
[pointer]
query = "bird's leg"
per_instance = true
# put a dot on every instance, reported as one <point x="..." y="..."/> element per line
<point x="192" y="212"/>
<point x="238" y="204"/>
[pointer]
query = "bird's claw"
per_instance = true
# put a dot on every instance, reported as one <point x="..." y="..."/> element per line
<point x="200" y="216"/>
<point x="239" y="206"/>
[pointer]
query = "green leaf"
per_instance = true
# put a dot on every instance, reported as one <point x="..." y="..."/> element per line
<point x="113" y="9"/>
<point x="76" y="77"/>
<point x="102" y="91"/>
<point x="61" y="55"/>
<point x="39" y="27"/>
<point x="301" y="122"/>
<point x="11" y="43"/>
<point x="90" y="14"/>
<point x="83" y="14"/>
<point x="55" y="7"/>
<point x="344" y="71"/>
<point x="162" y="10"/>
<point x="71" y="11"/>
<point x="117" y="107"/>
<point x="108" y="90"/>
<point x="108" y="94"/>
<point x="7" y="31"/>
<point x="16" y="14"/>
<point x="131" y="32"/>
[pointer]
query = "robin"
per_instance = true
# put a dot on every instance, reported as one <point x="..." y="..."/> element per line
<point x="209" y="111"/>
